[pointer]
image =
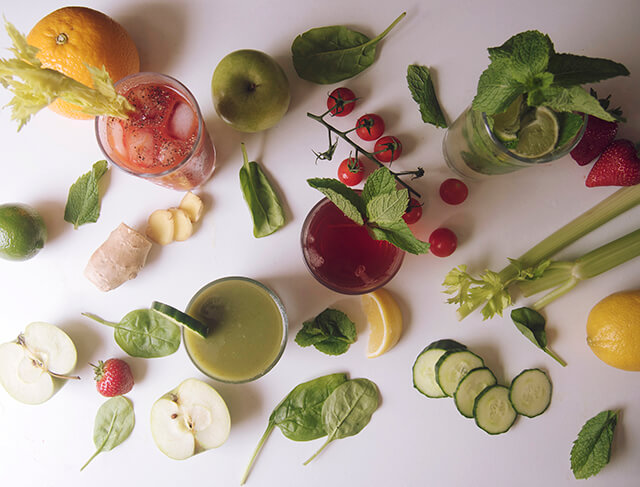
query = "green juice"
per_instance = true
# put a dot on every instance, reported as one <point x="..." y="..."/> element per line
<point x="247" y="330"/>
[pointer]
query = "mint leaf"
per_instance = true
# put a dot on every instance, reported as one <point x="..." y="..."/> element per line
<point x="380" y="181"/>
<point x="346" y="199"/>
<point x="387" y="208"/>
<point x="527" y="54"/>
<point x="592" y="449"/>
<point x="569" y="125"/>
<point x="330" y="332"/>
<point x="83" y="202"/>
<point x="424" y="94"/>
<point x="497" y="88"/>
<point x="399" y="234"/>
<point x="571" y="70"/>
<point x="572" y="99"/>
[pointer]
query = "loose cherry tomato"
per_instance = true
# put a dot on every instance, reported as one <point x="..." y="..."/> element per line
<point x="413" y="213"/>
<point x="370" y="126"/>
<point x="453" y="191"/>
<point x="350" y="171"/>
<point x="443" y="242"/>
<point x="339" y="102"/>
<point x="387" y="149"/>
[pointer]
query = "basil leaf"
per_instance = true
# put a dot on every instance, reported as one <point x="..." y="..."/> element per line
<point x="531" y="324"/>
<point x="83" y="202"/>
<point x="380" y="181"/>
<point x="400" y="235"/>
<point x="113" y="424"/>
<point x="348" y="410"/>
<point x="264" y="204"/>
<point x="144" y="333"/>
<point x="422" y="91"/>
<point x="330" y="332"/>
<point x="388" y="208"/>
<point x="570" y="69"/>
<point x="346" y="199"/>
<point x="326" y="55"/>
<point x="592" y="449"/>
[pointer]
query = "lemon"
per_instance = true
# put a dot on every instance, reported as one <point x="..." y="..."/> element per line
<point x="538" y="134"/>
<point x="613" y="330"/>
<point x="507" y="124"/>
<point x="385" y="321"/>
<point x="22" y="232"/>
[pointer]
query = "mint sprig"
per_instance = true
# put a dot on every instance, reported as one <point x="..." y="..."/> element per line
<point x="423" y="92"/>
<point x="380" y="207"/>
<point x="83" y="202"/>
<point x="591" y="451"/>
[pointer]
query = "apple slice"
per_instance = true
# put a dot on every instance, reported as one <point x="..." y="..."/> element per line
<point x="190" y="419"/>
<point x="30" y="365"/>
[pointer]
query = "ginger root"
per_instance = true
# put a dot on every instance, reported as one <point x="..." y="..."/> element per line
<point x="118" y="259"/>
<point x="193" y="206"/>
<point x="175" y="224"/>
<point x="160" y="227"/>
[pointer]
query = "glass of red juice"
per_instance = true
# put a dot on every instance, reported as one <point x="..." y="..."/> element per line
<point x="164" y="140"/>
<point x="342" y="255"/>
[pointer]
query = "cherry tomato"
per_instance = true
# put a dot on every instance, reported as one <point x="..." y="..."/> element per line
<point x="387" y="149"/>
<point x="413" y="213"/>
<point x="370" y="126"/>
<point x="453" y="191"/>
<point x="350" y="171"/>
<point x="337" y="102"/>
<point x="443" y="242"/>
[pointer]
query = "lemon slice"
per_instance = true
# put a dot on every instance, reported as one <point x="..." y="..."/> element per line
<point x="538" y="135"/>
<point x="507" y="124"/>
<point x="385" y="320"/>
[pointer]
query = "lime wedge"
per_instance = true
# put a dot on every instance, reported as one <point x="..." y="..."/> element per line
<point x="538" y="134"/>
<point x="507" y="124"/>
<point x="180" y="318"/>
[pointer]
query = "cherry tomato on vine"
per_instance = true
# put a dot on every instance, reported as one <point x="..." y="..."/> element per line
<point x="453" y="191"/>
<point x="337" y="102"/>
<point x="370" y="127"/>
<point x="351" y="171"/>
<point x="443" y="242"/>
<point x="387" y="149"/>
<point x="413" y="213"/>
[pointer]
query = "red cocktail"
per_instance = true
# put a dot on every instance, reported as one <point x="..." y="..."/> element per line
<point x="342" y="255"/>
<point x="164" y="140"/>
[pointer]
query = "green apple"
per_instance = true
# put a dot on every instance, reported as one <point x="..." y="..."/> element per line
<point x="250" y="90"/>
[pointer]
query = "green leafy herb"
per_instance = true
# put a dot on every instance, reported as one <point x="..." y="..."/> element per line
<point x="569" y="124"/>
<point x="299" y="415"/>
<point x="531" y="324"/>
<point x="35" y="87"/>
<point x="326" y="55"/>
<point x="346" y="199"/>
<point x="348" y="410"/>
<point x="83" y="202"/>
<point x="592" y="449"/>
<point x="571" y="70"/>
<point x="331" y="332"/>
<point x="378" y="182"/>
<point x="114" y="423"/>
<point x="144" y="333"/>
<point x="424" y="94"/>
<point x="263" y="202"/>
<point x="387" y="208"/>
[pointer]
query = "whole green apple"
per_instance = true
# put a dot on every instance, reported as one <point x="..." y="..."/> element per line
<point x="250" y="90"/>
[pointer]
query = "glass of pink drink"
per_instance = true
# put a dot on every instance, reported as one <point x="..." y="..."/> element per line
<point x="164" y="140"/>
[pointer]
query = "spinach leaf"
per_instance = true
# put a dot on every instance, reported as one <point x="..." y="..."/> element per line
<point x="531" y="324"/>
<point x="348" y="410"/>
<point x="331" y="332"/>
<point x="422" y="91"/>
<point x="113" y="424"/>
<point x="83" y="202"/>
<point x="326" y="55"/>
<point x="299" y="415"/>
<point x="592" y="449"/>
<point x="264" y="204"/>
<point x="144" y="333"/>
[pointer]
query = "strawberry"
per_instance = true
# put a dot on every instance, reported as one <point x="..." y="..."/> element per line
<point x="597" y="136"/>
<point x="619" y="165"/>
<point x="113" y="377"/>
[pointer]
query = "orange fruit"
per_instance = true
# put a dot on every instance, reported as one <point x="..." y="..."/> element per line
<point x="71" y="37"/>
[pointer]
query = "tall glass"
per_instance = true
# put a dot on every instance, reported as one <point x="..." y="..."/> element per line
<point x="471" y="149"/>
<point x="342" y="255"/>
<point x="164" y="140"/>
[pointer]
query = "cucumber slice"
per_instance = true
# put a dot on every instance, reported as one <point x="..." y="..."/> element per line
<point x="530" y="392"/>
<point x="180" y="318"/>
<point x="493" y="411"/>
<point x="472" y="384"/>
<point x="424" y="374"/>
<point x="453" y="366"/>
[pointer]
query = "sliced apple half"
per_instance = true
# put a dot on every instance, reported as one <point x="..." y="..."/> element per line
<point x="30" y="365"/>
<point x="190" y="419"/>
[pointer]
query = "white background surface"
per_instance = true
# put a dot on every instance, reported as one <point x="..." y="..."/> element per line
<point x="411" y="440"/>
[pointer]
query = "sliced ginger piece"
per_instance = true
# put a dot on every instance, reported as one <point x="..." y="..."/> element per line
<point x="182" y="226"/>
<point x="193" y="206"/>
<point x="161" y="227"/>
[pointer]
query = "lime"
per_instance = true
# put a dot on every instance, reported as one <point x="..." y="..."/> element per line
<point x="507" y="124"/>
<point x="22" y="232"/>
<point x="538" y="134"/>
